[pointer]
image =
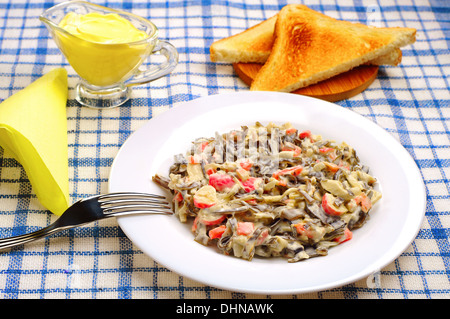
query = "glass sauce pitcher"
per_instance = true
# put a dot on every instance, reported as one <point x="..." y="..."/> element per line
<point x="107" y="71"/>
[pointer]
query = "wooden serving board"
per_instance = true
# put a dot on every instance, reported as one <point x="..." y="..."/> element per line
<point x="337" y="88"/>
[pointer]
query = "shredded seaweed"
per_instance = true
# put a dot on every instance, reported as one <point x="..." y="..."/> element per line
<point x="271" y="191"/>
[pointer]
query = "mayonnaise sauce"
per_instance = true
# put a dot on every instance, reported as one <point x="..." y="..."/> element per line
<point x="101" y="28"/>
<point x="102" y="48"/>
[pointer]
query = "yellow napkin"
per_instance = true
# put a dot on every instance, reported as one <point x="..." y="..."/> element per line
<point x="33" y="127"/>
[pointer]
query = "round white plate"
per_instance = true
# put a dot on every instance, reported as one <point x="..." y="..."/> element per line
<point x="394" y="221"/>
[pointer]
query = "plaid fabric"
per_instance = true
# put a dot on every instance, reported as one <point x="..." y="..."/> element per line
<point x="411" y="101"/>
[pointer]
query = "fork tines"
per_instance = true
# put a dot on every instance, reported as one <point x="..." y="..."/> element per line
<point x="134" y="203"/>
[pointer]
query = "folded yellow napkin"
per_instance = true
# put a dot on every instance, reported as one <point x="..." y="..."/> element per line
<point x="33" y="127"/>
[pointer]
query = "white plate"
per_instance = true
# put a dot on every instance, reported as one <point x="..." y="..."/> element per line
<point x="393" y="224"/>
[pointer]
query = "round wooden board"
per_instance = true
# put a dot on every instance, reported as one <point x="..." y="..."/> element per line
<point x="337" y="88"/>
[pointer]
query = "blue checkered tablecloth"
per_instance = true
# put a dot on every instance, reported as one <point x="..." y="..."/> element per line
<point x="411" y="101"/>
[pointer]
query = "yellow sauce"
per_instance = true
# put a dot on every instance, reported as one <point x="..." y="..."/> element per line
<point x="100" y="46"/>
<point x="101" y="28"/>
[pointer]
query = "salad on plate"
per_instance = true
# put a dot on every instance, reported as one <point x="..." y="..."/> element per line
<point x="271" y="191"/>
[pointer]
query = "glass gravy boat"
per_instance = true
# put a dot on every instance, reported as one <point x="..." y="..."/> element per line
<point x="107" y="71"/>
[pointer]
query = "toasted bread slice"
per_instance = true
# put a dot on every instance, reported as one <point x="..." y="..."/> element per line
<point x="310" y="47"/>
<point x="251" y="45"/>
<point x="255" y="44"/>
<point x="394" y="58"/>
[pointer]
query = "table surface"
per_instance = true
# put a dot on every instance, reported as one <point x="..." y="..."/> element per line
<point x="410" y="101"/>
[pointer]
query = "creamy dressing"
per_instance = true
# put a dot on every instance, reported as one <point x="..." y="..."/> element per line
<point x="102" y="48"/>
<point x="101" y="28"/>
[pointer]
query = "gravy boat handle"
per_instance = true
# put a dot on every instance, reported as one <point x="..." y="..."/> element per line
<point x="157" y="71"/>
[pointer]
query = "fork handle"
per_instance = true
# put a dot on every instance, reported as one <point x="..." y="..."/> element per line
<point x="22" y="239"/>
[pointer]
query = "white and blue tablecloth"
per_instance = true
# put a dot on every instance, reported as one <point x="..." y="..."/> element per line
<point x="411" y="101"/>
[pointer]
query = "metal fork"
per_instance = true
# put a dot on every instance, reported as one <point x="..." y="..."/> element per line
<point x="96" y="208"/>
